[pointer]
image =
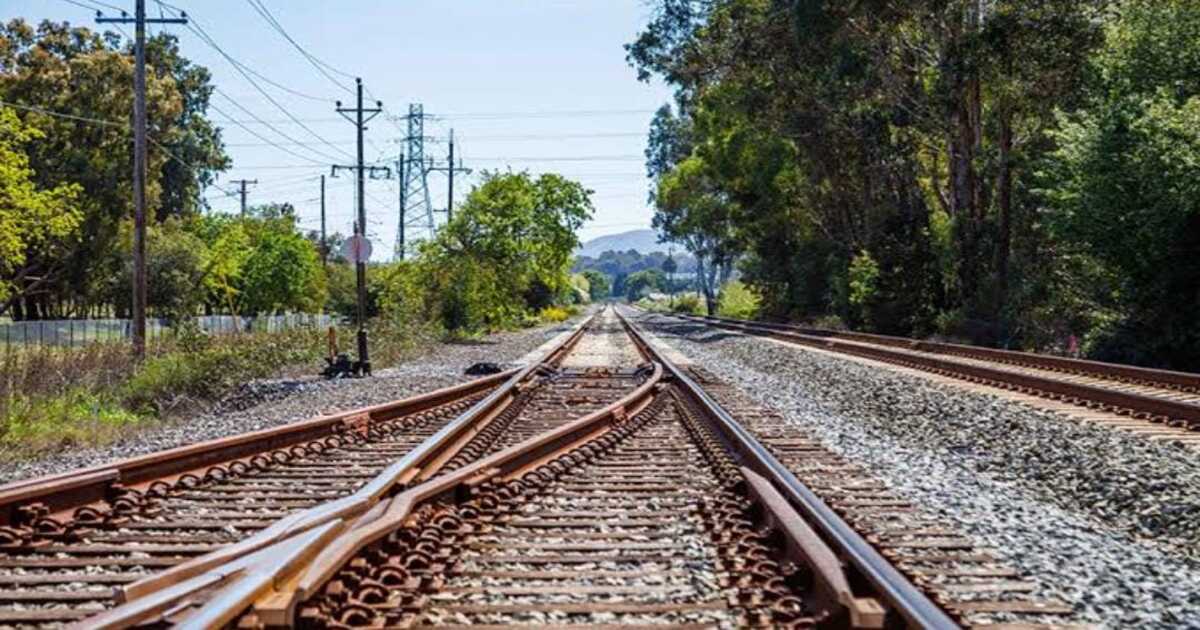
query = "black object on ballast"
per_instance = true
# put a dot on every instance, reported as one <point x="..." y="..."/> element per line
<point x="483" y="369"/>
<point x="340" y="367"/>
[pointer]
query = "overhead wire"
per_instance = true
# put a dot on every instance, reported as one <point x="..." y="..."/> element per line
<point x="199" y="31"/>
<point x="260" y="136"/>
<point x="321" y="66"/>
<point x="106" y="123"/>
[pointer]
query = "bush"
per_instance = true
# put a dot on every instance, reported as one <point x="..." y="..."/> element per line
<point x="554" y="314"/>
<point x="737" y="301"/>
<point x="687" y="303"/>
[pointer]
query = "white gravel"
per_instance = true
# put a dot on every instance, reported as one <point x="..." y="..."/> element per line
<point x="268" y="403"/>
<point x="1103" y="519"/>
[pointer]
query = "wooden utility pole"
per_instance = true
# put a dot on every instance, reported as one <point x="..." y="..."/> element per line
<point x="450" y="192"/>
<point x="242" y="183"/>
<point x="139" y="162"/>
<point x="324" y="238"/>
<point x="360" y="226"/>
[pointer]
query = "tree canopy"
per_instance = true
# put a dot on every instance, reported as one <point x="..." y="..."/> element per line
<point x="1005" y="172"/>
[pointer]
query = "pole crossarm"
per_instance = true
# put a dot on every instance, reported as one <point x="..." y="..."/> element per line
<point x="374" y="172"/>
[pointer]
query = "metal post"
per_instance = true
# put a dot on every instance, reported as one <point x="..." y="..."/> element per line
<point x="450" y="192"/>
<point x="400" y="232"/>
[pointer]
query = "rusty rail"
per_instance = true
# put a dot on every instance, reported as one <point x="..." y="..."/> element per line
<point x="1148" y="407"/>
<point x="1167" y="379"/>
<point x="896" y="590"/>
<point x="68" y="491"/>
<point x="308" y="530"/>
<point x="280" y="577"/>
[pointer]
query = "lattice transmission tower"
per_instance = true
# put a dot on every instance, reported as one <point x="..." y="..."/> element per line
<point x="416" y="208"/>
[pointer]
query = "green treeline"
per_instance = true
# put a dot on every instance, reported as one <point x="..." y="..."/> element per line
<point x="1014" y="173"/>
<point x="66" y="208"/>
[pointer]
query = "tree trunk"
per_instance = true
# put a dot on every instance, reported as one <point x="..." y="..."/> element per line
<point x="1004" y="203"/>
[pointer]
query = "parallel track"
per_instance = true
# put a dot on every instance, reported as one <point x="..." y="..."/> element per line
<point x="1171" y="399"/>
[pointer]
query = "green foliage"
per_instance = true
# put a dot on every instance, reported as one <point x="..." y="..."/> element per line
<point x="555" y="314"/>
<point x="77" y="71"/>
<point x="581" y="289"/>
<point x="261" y="264"/>
<point x="33" y="221"/>
<point x="283" y="273"/>
<point x="737" y="301"/>
<point x="599" y="285"/>
<point x="690" y="303"/>
<point x="641" y="283"/>
<point x="504" y="256"/>
<point x="863" y="284"/>
<point x="1010" y="173"/>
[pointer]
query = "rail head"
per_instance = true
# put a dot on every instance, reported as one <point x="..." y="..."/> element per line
<point x="160" y="591"/>
<point x="896" y="590"/>
<point x="275" y="585"/>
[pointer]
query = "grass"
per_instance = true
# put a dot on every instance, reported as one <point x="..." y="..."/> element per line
<point x="52" y="398"/>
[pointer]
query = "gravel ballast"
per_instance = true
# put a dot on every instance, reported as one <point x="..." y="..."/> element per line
<point x="1105" y="520"/>
<point x="272" y="402"/>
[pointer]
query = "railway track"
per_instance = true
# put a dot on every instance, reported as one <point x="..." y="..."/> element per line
<point x="74" y="544"/>
<point x="1156" y="402"/>
<point x="606" y="486"/>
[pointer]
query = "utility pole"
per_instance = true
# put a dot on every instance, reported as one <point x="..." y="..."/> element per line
<point x="360" y="226"/>
<point x="324" y="239"/>
<point x="450" y="191"/>
<point x="451" y="168"/>
<point x="242" y="183"/>
<point x="139" y="162"/>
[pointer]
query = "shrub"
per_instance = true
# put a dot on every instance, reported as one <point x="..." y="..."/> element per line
<point x="554" y="314"/>
<point x="688" y="303"/>
<point x="737" y="301"/>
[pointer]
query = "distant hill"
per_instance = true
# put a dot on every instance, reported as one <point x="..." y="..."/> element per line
<point x="643" y="241"/>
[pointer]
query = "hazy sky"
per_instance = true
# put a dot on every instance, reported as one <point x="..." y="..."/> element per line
<point x="536" y="84"/>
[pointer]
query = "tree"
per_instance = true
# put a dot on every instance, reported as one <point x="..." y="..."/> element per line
<point x="89" y="78"/>
<point x="35" y="223"/>
<point x="641" y="283"/>
<point x="282" y="273"/>
<point x="508" y="250"/>
<point x="177" y="261"/>
<point x="599" y="286"/>
<point x="1122" y="188"/>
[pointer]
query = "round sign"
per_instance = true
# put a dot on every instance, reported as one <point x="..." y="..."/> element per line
<point x="357" y="249"/>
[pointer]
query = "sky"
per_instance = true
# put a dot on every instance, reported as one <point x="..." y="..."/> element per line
<point x="537" y="85"/>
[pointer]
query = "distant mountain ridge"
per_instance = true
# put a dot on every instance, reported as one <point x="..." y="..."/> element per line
<point x="643" y="241"/>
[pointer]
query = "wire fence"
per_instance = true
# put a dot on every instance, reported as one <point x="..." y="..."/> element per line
<point x="80" y="332"/>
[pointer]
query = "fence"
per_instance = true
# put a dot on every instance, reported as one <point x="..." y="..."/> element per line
<point x="79" y="332"/>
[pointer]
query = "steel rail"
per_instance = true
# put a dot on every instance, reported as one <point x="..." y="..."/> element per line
<point x="1138" y="405"/>
<point x="63" y="492"/>
<point x="292" y="536"/>
<point x="277" y="582"/>
<point x="891" y="585"/>
<point x="1167" y="379"/>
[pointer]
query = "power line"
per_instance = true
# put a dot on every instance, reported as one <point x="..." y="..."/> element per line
<point x="206" y="38"/>
<point x="260" y="136"/>
<point x="316" y="63"/>
<point x="106" y="123"/>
